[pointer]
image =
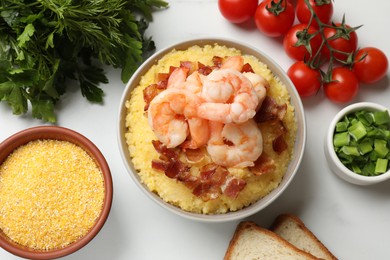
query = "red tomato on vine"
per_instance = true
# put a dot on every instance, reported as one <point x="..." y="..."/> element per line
<point x="343" y="86"/>
<point x="370" y="65"/>
<point x="237" y="11"/>
<point x="342" y="39"/>
<point x="308" y="39"/>
<point x="306" y="80"/>
<point x="322" y="8"/>
<point x="274" y="17"/>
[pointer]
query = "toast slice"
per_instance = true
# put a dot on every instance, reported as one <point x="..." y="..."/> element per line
<point x="292" y="229"/>
<point x="251" y="241"/>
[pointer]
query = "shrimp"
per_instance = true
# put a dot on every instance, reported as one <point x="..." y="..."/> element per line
<point x="199" y="133"/>
<point x="172" y="116"/>
<point x="168" y="114"/>
<point x="233" y="62"/>
<point x="260" y="85"/>
<point x="246" y="139"/>
<point x="230" y="97"/>
<point x="194" y="82"/>
<point x="177" y="78"/>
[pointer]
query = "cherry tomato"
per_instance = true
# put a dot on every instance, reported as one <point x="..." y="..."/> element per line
<point x="372" y="67"/>
<point x="237" y="11"/>
<point x="301" y="52"/>
<point x="347" y="43"/>
<point x="324" y="12"/>
<point x="343" y="87"/>
<point x="307" y="81"/>
<point x="272" y="24"/>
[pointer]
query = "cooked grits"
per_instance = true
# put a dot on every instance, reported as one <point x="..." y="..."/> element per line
<point x="139" y="138"/>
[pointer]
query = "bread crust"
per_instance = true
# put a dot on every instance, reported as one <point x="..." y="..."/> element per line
<point x="282" y="220"/>
<point x="245" y="226"/>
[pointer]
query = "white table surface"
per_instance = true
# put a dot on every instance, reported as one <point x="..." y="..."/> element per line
<point x="352" y="221"/>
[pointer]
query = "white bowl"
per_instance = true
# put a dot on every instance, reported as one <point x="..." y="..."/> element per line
<point x="298" y="149"/>
<point x="334" y="162"/>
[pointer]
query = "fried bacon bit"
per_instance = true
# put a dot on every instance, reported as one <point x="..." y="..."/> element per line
<point x="187" y="64"/>
<point x="203" y="69"/>
<point x="211" y="178"/>
<point x="270" y="110"/>
<point x="195" y="155"/>
<point x="171" y="69"/>
<point x="279" y="144"/>
<point x="212" y="181"/>
<point x="149" y="93"/>
<point x="278" y="127"/>
<point x="177" y="170"/>
<point x="233" y="186"/>
<point x="168" y="153"/>
<point x="264" y="164"/>
<point x="159" y="165"/>
<point x="247" y="68"/>
<point x="162" y="80"/>
<point x="217" y="61"/>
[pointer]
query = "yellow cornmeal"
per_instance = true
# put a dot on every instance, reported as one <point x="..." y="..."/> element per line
<point x="139" y="137"/>
<point x="51" y="194"/>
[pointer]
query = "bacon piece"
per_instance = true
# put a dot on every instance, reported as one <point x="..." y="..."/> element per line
<point x="279" y="144"/>
<point x="233" y="186"/>
<point x="211" y="178"/>
<point x="212" y="181"/>
<point x="189" y="180"/>
<point x="217" y="61"/>
<point x="278" y="127"/>
<point x="149" y="93"/>
<point x="159" y="165"/>
<point x="169" y="153"/>
<point x="247" y="68"/>
<point x="162" y="79"/>
<point x="264" y="164"/>
<point x="206" y="191"/>
<point x="177" y="170"/>
<point x="187" y="64"/>
<point x="172" y="69"/>
<point x="195" y="155"/>
<point x="270" y="110"/>
<point x="203" y="69"/>
<point x="214" y="174"/>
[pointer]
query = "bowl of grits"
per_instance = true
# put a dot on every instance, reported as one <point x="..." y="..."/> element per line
<point x="55" y="192"/>
<point x="211" y="129"/>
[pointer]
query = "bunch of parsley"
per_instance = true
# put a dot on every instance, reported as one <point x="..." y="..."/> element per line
<point x="45" y="43"/>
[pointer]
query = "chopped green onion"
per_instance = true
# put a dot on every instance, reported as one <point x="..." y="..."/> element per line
<point x="350" y="150"/>
<point x="364" y="147"/>
<point x="357" y="130"/>
<point x="341" y="139"/>
<point x="367" y="118"/>
<point x="381" y="117"/>
<point x="341" y="126"/>
<point x="362" y="142"/>
<point x="380" y="147"/>
<point x="381" y="166"/>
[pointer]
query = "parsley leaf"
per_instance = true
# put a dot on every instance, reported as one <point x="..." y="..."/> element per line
<point x="46" y="43"/>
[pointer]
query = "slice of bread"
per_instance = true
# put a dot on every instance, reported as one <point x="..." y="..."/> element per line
<point x="292" y="229"/>
<point x="251" y="241"/>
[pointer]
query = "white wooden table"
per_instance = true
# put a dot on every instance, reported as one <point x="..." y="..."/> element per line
<point x="352" y="221"/>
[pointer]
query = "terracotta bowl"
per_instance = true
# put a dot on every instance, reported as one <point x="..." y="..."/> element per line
<point x="63" y="134"/>
<point x="298" y="149"/>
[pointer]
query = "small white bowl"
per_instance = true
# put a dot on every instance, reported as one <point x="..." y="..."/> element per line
<point x="334" y="162"/>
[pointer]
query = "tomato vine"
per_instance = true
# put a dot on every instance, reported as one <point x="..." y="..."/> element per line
<point x="319" y="44"/>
